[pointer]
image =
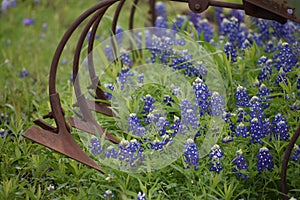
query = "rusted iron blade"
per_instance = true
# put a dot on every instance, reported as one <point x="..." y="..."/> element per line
<point x="90" y="127"/>
<point x="62" y="142"/>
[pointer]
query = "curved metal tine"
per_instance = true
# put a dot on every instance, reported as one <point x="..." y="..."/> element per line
<point x="61" y="139"/>
<point x="284" y="188"/>
<point x="132" y="12"/>
<point x="88" y="119"/>
<point x="152" y="11"/>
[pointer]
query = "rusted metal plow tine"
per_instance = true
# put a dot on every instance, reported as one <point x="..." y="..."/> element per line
<point x="61" y="142"/>
<point x="91" y="128"/>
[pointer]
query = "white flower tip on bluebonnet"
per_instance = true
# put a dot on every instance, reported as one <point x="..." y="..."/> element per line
<point x="132" y="115"/>
<point x="296" y="147"/>
<point x="124" y="143"/>
<point x="240" y="88"/>
<point x="239" y="152"/>
<point x="190" y="141"/>
<point x="215" y="147"/>
<point x="133" y="141"/>
<point x="292" y="198"/>
<point x="254" y="120"/>
<point x="263" y="149"/>
<point x="198" y="80"/>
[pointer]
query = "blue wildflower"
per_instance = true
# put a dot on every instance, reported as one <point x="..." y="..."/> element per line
<point x="107" y="94"/>
<point x="178" y="23"/>
<point x="109" y="53"/>
<point x="240" y="164"/>
<point x="217" y="103"/>
<point x="257" y="130"/>
<point x="241" y="96"/>
<point x="160" y="9"/>
<point x="161" y="22"/>
<point x="149" y="104"/>
<point x="281" y="77"/>
<point x="95" y="146"/>
<point x="216" y="154"/>
<point x="265" y="160"/>
<point x="241" y="115"/>
<point x="28" y="21"/>
<point x="285" y="59"/>
<point x="130" y="152"/>
<point x="241" y="130"/>
<point x="125" y="58"/>
<point x="265" y="68"/>
<point x="256" y="110"/>
<point x="227" y="139"/>
<point x="280" y="127"/>
<point x="111" y="152"/>
<point x="191" y="155"/>
<point x="24" y="73"/>
<point x="124" y="76"/>
<point x="6" y="4"/>
<point x="135" y="126"/>
<point x="202" y="94"/>
<point x="141" y="196"/>
<point x="296" y="154"/>
<point x="108" y="194"/>
<point x="230" y="52"/>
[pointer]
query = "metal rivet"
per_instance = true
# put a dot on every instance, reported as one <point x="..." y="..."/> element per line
<point x="197" y="6"/>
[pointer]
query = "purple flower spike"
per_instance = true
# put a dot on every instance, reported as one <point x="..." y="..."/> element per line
<point x="264" y="160"/>
<point x="28" y="21"/>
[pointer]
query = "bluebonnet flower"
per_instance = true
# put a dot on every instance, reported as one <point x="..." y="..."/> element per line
<point x="178" y="23"/>
<point x="227" y="139"/>
<point x="286" y="58"/>
<point x="241" y="115"/>
<point x="149" y="104"/>
<point x="119" y="35"/>
<point x="125" y="58"/>
<point x="131" y="152"/>
<point x="263" y="29"/>
<point x="109" y="53"/>
<point x="257" y="130"/>
<point x="168" y="99"/>
<point x="176" y="125"/>
<point x="219" y="16"/>
<point x="263" y="91"/>
<point x="7" y="4"/>
<point x="95" y="146"/>
<point x="202" y="26"/>
<point x="108" y="194"/>
<point x="216" y="154"/>
<point x="256" y="110"/>
<point x="285" y="31"/>
<point x="161" y="22"/>
<point x="280" y="127"/>
<point x="298" y="83"/>
<point x="200" y="70"/>
<point x="125" y="76"/>
<point x="28" y="21"/>
<point x="181" y="60"/>
<point x="230" y="52"/>
<point x="296" y="154"/>
<point x="202" y="94"/>
<point x="281" y="77"/>
<point x="265" y="64"/>
<point x="238" y="14"/>
<point x="135" y="126"/>
<point x="241" y="130"/>
<point x="217" y="103"/>
<point x="88" y="36"/>
<point x="162" y="125"/>
<point x="141" y="196"/>
<point x="159" y="144"/>
<point x="240" y="164"/>
<point x="230" y="28"/>
<point x="111" y="152"/>
<point x="189" y="118"/>
<point x="24" y="73"/>
<point x="140" y="78"/>
<point x="161" y="49"/>
<point x="241" y="96"/>
<point x="191" y="154"/>
<point x="265" y="160"/>
<point x="270" y="47"/>
<point x="160" y="9"/>
<point x="107" y="94"/>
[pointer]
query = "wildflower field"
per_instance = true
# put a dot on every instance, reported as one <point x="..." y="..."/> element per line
<point x="204" y="105"/>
